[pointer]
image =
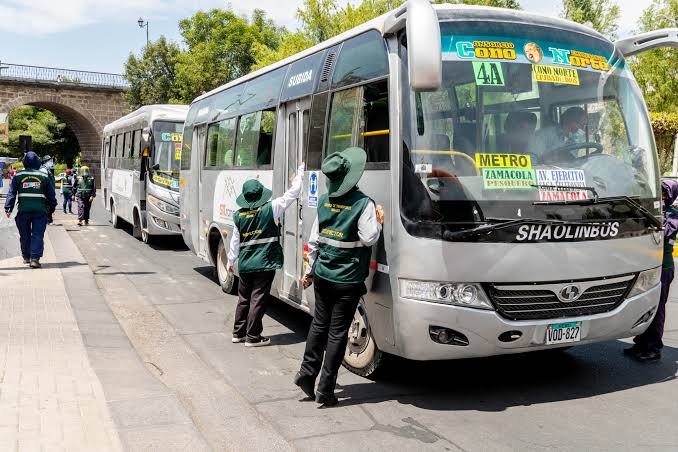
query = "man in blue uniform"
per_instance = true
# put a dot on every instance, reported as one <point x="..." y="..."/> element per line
<point x="37" y="201"/>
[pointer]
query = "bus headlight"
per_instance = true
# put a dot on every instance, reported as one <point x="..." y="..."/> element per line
<point x="469" y="295"/>
<point x="164" y="206"/>
<point x="646" y="281"/>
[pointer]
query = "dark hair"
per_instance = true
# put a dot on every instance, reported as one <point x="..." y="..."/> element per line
<point x="572" y="114"/>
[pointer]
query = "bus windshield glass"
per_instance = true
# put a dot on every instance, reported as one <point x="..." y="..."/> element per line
<point x="530" y="122"/>
<point x="167" y="138"/>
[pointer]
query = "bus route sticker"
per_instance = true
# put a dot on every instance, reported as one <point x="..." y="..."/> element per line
<point x="509" y="179"/>
<point x="555" y="74"/>
<point x="488" y="73"/>
<point x="313" y="189"/>
<point x="563" y="184"/>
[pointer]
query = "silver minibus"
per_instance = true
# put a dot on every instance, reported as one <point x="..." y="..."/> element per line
<point x="141" y="154"/>
<point x="513" y="155"/>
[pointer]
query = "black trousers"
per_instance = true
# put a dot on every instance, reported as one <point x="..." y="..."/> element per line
<point x="253" y="295"/>
<point x="335" y="306"/>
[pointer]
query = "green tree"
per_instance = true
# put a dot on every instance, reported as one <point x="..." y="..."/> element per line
<point x="152" y="76"/>
<point x="603" y="15"/>
<point x="656" y="69"/>
<point x="220" y="47"/>
<point x="49" y="134"/>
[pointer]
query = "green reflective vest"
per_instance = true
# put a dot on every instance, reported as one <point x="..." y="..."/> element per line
<point x="260" y="248"/>
<point x="669" y="242"/>
<point x="342" y="257"/>
<point x="67" y="185"/>
<point x="85" y="187"/>
<point x="32" y="191"/>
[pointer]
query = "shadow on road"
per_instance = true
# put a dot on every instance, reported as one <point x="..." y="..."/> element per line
<point x="498" y="383"/>
<point x="47" y="265"/>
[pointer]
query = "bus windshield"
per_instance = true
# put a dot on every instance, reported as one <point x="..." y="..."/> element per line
<point x="167" y="138"/>
<point x="527" y="118"/>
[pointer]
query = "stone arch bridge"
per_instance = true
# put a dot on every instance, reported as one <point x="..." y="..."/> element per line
<point x="85" y="101"/>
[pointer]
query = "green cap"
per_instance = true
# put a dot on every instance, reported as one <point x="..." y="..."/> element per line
<point x="46" y="158"/>
<point x="343" y="170"/>
<point x="253" y="195"/>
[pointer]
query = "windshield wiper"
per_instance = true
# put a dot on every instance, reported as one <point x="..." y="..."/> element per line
<point x="499" y="223"/>
<point x="596" y="200"/>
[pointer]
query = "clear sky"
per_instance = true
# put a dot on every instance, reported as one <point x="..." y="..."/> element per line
<point x="99" y="35"/>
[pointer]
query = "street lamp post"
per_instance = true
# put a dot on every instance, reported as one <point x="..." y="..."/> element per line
<point x="143" y="24"/>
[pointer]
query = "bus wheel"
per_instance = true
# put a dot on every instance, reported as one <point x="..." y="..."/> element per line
<point x="146" y="237"/>
<point x="227" y="280"/>
<point x="137" y="231"/>
<point x="115" y="219"/>
<point x="362" y="356"/>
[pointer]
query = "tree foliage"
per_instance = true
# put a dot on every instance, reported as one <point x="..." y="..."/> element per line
<point x="656" y="69"/>
<point x="49" y="134"/>
<point x="152" y="76"/>
<point x="603" y="15"/>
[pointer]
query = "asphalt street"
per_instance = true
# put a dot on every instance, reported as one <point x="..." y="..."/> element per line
<point x="179" y="321"/>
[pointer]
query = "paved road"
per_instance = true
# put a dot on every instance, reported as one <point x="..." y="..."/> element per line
<point x="179" y="321"/>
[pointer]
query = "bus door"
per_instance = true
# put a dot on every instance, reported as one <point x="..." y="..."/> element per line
<point x="196" y="209"/>
<point x="297" y="118"/>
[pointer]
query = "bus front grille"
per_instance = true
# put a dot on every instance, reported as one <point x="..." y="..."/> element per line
<point x="541" y="301"/>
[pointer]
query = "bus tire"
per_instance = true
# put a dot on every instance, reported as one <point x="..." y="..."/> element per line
<point x="146" y="237"/>
<point x="115" y="219"/>
<point x="227" y="280"/>
<point x="362" y="356"/>
<point x="137" y="231"/>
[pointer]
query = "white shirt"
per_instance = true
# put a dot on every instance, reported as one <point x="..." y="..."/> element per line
<point x="278" y="205"/>
<point x="369" y="231"/>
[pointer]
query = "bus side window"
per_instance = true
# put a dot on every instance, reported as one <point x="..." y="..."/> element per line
<point x="316" y="134"/>
<point x="212" y="143"/>
<point x="107" y="147"/>
<point x="136" y="146"/>
<point x="225" y="148"/>
<point x="118" y="145"/>
<point x="360" y="117"/>
<point x="128" y="145"/>
<point x="255" y="139"/>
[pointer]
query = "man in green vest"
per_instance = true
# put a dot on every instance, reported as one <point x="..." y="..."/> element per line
<point x="347" y="225"/>
<point x="67" y="191"/>
<point x="255" y="243"/>
<point x="37" y="199"/>
<point x="85" y="189"/>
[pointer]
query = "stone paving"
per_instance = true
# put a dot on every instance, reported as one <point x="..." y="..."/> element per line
<point x="50" y="398"/>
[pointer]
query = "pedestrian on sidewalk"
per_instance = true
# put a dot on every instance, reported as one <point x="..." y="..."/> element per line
<point x="347" y="224"/>
<point x="85" y="189"/>
<point x="67" y="191"/>
<point x="48" y="168"/>
<point x="647" y="346"/>
<point x="37" y="200"/>
<point x="256" y="244"/>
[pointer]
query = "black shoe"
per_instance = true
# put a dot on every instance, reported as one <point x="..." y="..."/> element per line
<point x="633" y="350"/>
<point x="27" y="260"/>
<point x="262" y="342"/>
<point x="326" y="399"/>
<point x="237" y="339"/>
<point x="306" y="384"/>
<point x="87" y="222"/>
<point x="35" y="263"/>
<point x="648" y="356"/>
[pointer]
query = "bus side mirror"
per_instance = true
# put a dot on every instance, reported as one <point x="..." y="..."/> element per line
<point x="666" y="37"/>
<point x="155" y="167"/>
<point x="424" y="51"/>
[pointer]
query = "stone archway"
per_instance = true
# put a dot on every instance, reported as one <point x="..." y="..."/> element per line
<point x="85" y="110"/>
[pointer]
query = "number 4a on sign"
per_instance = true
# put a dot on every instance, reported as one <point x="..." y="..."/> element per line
<point x="488" y="74"/>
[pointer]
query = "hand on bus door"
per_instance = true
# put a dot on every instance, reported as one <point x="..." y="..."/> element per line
<point x="306" y="281"/>
<point x="380" y="214"/>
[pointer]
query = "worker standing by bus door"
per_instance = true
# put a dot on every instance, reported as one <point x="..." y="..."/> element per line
<point x="347" y="225"/>
<point x="37" y="199"/>
<point x="255" y="242"/>
<point x="647" y="346"/>
<point x="85" y="191"/>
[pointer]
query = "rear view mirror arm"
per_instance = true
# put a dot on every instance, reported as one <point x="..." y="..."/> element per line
<point x="666" y="37"/>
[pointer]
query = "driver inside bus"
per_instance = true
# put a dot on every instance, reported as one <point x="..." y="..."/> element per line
<point x="571" y="130"/>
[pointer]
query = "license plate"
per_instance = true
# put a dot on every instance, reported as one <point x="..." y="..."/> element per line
<point x="563" y="333"/>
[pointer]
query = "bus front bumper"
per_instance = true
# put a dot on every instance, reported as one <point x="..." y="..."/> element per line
<point x="413" y="319"/>
<point x="161" y="223"/>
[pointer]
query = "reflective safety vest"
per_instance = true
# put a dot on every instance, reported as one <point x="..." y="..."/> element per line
<point x="669" y="241"/>
<point x="85" y="187"/>
<point x="67" y="185"/>
<point x="32" y="191"/>
<point x="342" y="257"/>
<point x="260" y="248"/>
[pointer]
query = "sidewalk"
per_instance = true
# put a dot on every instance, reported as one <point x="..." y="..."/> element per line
<point x="50" y="397"/>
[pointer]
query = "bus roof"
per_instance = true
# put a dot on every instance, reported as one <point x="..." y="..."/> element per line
<point x="445" y="12"/>
<point x="148" y="114"/>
